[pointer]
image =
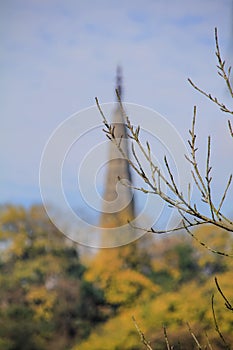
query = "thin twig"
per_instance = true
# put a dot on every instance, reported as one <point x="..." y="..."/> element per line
<point x="166" y="338"/>
<point x="209" y="96"/>
<point x="216" y="324"/>
<point x="227" y="303"/>
<point x="159" y="232"/>
<point x="171" y="176"/>
<point x="204" y="244"/>
<point x="230" y="128"/>
<point x="194" y="337"/>
<point x="224" y="194"/>
<point x="189" y="211"/>
<point x="221" y="66"/>
<point x="208" y="180"/>
<point x="208" y="342"/>
<point x="142" y="336"/>
<point x="178" y="201"/>
<point x="225" y="74"/>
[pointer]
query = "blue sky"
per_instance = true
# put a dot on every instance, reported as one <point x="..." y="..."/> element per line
<point x="56" y="56"/>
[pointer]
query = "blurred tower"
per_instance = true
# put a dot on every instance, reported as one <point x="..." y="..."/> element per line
<point x="118" y="207"/>
<point x="118" y="271"/>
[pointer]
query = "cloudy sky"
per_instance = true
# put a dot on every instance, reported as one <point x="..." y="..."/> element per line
<point x="56" y="56"/>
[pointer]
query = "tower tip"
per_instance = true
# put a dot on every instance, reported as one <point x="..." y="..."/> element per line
<point x="119" y="80"/>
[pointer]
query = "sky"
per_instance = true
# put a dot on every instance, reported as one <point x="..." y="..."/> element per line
<point x="56" y="56"/>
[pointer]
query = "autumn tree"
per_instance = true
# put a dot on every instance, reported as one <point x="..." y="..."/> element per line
<point x="45" y="301"/>
<point x="191" y="215"/>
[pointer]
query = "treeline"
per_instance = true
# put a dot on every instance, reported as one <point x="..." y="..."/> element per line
<point x="52" y="298"/>
<point x="46" y="303"/>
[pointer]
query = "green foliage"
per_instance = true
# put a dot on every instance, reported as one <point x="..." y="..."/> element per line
<point x="187" y="262"/>
<point x="17" y="331"/>
<point x="44" y="298"/>
<point x="163" y="278"/>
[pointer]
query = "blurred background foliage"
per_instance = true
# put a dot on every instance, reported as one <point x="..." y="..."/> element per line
<point x="57" y="295"/>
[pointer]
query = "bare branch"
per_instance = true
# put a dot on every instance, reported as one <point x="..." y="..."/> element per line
<point x="190" y="213"/>
<point x="224" y="73"/>
<point x="227" y="303"/>
<point x="166" y="338"/>
<point x="171" y="176"/>
<point x="176" y="198"/>
<point x="196" y="173"/>
<point x="216" y="325"/>
<point x="142" y="336"/>
<point x="224" y="194"/>
<point x="213" y="99"/>
<point x="230" y="128"/>
<point x="208" y="342"/>
<point x="194" y="337"/>
<point x="204" y="244"/>
<point x="208" y="180"/>
<point x="159" y="232"/>
<point x="101" y="112"/>
<point x="221" y="66"/>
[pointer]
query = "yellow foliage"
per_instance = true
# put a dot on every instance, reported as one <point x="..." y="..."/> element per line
<point x="26" y="272"/>
<point x="42" y="302"/>
<point x="107" y="263"/>
<point x="192" y="304"/>
<point x="120" y="333"/>
<point x="111" y="271"/>
<point x="19" y="244"/>
<point x="12" y="214"/>
<point x="116" y="272"/>
<point x="127" y="285"/>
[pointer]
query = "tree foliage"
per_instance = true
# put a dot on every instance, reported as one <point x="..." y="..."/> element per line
<point x="44" y="298"/>
<point x="49" y="299"/>
<point x="183" y="274"/>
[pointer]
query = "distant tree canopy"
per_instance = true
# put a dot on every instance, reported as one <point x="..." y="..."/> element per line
<point x="50" y="300"/>
<point x="45" y="301"/>
<point x="170" y="286"/>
